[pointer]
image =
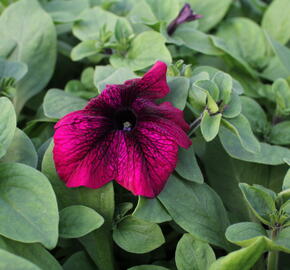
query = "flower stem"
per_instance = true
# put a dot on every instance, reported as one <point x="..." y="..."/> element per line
<point x="273" y="256"/>
<point x="273" y="260"/>
<point x="194" y="125"/>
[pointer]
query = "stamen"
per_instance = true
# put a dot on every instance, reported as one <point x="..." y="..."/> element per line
<point x="127" y="126"/>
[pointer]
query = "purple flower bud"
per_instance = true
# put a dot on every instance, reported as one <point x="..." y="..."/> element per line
<point x="186" y="14"/>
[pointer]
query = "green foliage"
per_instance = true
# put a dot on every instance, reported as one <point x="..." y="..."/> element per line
<point x="226" y="205"/>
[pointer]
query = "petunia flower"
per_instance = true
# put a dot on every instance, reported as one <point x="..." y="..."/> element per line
<point x="122" y="135"/>
<point x="185" y="15"/>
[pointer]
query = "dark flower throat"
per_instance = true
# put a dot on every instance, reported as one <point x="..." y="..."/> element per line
<point x="125" y="120"/>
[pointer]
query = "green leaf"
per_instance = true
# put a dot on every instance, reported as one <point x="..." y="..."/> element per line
<point x="35" y="36"/>
<point x="153" y="11"/>
<point x="281" y="90"/>
<point x="116" y="76"/>
<point x="147" y="267"/>
<point x="84" y="49"/>
<point x="211" y="10"/>
<point x="11" y="261"/>
<point x="242" y="259"/>
<point x="79" y="260"/>
<point x="65" y="11"/>
<point x="187" y="166"/>
<point x="196" y="40"/>
<point x="151" y="210"/>
<point x="88" y="26"/>
<point x="282" y="52"/>
<point x="245" y="39"/>
<point x="224" y="83"/>
<point x="268" y="154"/>
<point x="259" y="201"/>
<point x="123" y="30"/>
<point x="178" y="92"/>
<point x="21" y="150"/>
<point x="206" y="221"/>
<point x="255" y="114"/>
<point x="33" y="216"/>
<point x="98" y="243"/>
<point x="233" y="56"/>
<point x="245" y="233"/>
<point x="234" y="107"/>
<point x="282" y="241"/>
<point x="34" y="253"/>
<point x="276" y="20"/>
<point x="192" y="254"/>
<point x="77" y="220"/>
<point x="137" y="236"/>
<point x="12" y="69"/>
<point x="286" y="182"/>
<point x="280" y="133"/>
<point x="237" y="87"/>
<point x="242" y="129"/>
<point x="58" y="103"/>
<point x="7" y="124"/>
<point x="210" y="87"/>
<point x="140" y="55"/>
<point x="210" y="125"/>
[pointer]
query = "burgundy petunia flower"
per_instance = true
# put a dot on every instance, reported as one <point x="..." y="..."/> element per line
<point x="122" y="135"/>
<point x="185" y="15"/>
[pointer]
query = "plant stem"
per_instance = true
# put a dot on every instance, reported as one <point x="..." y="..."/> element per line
<point x="273" y="256"/>
<point x="194" y="125"/>
<point x="273" y="260"/>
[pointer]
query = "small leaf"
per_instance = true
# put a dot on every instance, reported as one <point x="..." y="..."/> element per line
<point x="116" y="76"/>
<point x="242" y="129"/>
<point x="242" y="259"/>
<point x="33" y="216"/>
<point x="187" y="166"/>
<point x="193" y="254"/>
<point x="210" y="125"/>
<point x="58" y="103"/>
<point x="137" y="236"/>
<point x="78" y="220"/>
<point x="123" y="29"/>
<point x="276" y="20"/>
<point x="268" y="154"/>
<point x="21" y="150"/>
<point x="34" y="253"/>
<point x="11" y="69"/>
<point x="178" y="92"/>
<point x="84" y="49"/>
<point x="151" y="210"/>
<point x="79" y="260"/>
<point x="7" y="124"/>
<point x="140" y="55"/>
<point x="280" y="133"/>
<point x="225" y="85"/>
<point x="234" y="107"/>
<point x="245" y="233"/>
<point x="90" y="22"/>
<point x="210" y="87"/>
<point x="259" y="201"/>
<point x="153" y="11"/>
<point x="286" y="182"/>
<point x="11" y="261"/>
<point x="207" y="220"/>
<point x="255" y="114"/>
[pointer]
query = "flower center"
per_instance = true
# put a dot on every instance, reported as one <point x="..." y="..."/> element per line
<point x="125" y="120"/>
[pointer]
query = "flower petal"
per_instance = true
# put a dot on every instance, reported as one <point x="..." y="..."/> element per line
<point x="83" y="150"/>
<point x="165" y="116"/>
<point x="153" y="84"/>
<point x="147" y="159"/>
